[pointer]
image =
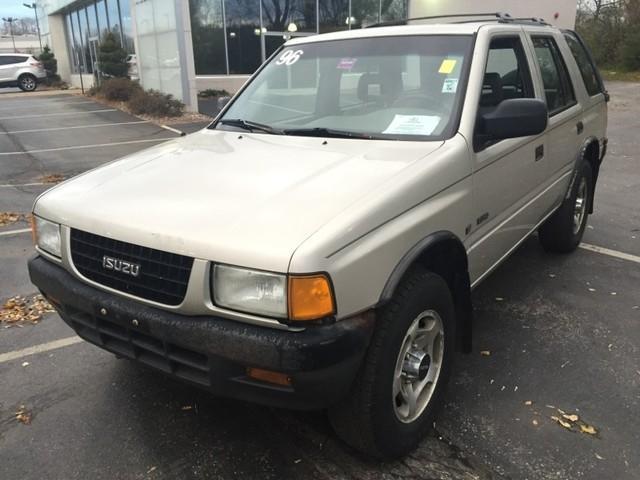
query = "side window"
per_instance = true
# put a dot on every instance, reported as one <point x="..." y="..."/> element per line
<point x="507" y="73"/>
<point x="586" y="66"/>
<point x="4" y="60"/>
<point x="558" y="90"/>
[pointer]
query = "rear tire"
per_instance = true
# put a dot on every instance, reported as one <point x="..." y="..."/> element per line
<point x="27" y="82"/>
<point x="394" y="399"/>
<point x="563" y="231"/>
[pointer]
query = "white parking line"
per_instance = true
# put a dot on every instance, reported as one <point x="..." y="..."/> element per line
<point x="96" y="145"/>
<point x="60" y="114"/>
<point x="43" y="347"/>
<point x="43" y="105"/>
<point x="611" y="253"/>
<point x="15" y="232"/>
<point x="20" y="185"/>
<point x="96" y="125"/>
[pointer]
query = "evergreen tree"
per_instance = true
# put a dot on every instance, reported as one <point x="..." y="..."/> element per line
<point x="49" y="63"/>
<point x="112" y="57"/>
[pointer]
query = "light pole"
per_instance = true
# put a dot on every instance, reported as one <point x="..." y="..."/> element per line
<point x="10" y="21"/>
<point x="35" y="10"/>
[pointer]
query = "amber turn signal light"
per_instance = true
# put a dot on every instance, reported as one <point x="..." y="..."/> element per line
<point x="310" y="297"/>
<point x="268" y="376"/>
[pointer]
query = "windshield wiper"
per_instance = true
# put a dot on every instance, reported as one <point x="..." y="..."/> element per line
<point x="328" y="132"/>
<point x="249" y="125"/>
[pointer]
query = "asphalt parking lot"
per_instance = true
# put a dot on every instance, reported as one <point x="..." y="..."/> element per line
<point x="552" y="332"/>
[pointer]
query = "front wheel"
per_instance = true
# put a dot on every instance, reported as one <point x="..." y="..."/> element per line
<point x="563" y="231"/>
<point x="27" y="83"/>
<point x="400" y="386"/>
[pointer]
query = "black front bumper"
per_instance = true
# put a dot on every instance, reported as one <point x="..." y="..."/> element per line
<point x="213" y="352"/>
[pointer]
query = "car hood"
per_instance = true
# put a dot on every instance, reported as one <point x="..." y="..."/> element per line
<point x="244" y="199"/>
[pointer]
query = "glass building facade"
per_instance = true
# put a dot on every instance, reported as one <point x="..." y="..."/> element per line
<point x="86" y="26"/>
<point x="236" y="36"/>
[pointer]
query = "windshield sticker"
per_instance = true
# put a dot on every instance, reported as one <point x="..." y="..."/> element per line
<point x="289" y="57"/>
<point x="347" y="63"/>
<point x="447" y="66"/>
<point x="450" y="85"/>
<point x="413" y="125"/>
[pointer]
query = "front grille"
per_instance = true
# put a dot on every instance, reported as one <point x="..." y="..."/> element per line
<point x="168" y="357"/>
<point x="163" y="277"/>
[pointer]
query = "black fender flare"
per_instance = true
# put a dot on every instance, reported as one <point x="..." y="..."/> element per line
<point x="458" y="280"/>
<point x="581" y="157"/>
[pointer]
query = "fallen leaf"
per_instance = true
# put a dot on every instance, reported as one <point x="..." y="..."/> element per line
<point x="17" y="310"/>
<point x="592" y="289"/>
<point x="297" y="460"/>
<point x="613" y="293"/>
<point x="552" y="275"/>
<point x="187" y="407"/>
<point x="528" y="402"/>
<point x="23" y="415"/>
<point x="588" y="429"/>
<point x="599" y="457"/>
<point x="571" y="417"/>
<point x="151" y="469"/>
<point x="486" y="353"/>
<point x="535" y="422"/>
<point x="53" y="178"/>
<point x="25" y="364"/>
<point x="566" y="425"/>
<point x="7" y="218"/>
<point x="499" y="299"/>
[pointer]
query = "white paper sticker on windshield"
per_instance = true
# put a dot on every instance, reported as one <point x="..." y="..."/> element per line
<point x="450" y="85"/>
<point x="413" y="125"/>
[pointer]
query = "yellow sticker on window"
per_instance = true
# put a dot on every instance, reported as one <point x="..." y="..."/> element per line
<point x="447" y="66"/>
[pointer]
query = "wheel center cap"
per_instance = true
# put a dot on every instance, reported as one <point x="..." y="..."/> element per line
<point x="416" y="365"/>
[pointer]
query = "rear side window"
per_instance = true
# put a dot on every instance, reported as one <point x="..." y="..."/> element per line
<point x="10" y="59"/>
<point x="558" y="89"/>
<point x="507" y="73"/>
<point x="587" y="68"/>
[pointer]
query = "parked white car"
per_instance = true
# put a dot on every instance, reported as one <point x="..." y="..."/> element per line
<point x="316" y="245"/>
<point x="21" y="70"/>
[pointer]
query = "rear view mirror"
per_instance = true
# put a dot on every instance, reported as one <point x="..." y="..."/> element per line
<point x="516" y="117"/>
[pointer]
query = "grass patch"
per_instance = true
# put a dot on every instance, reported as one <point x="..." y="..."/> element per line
<point x="620" y="76"/>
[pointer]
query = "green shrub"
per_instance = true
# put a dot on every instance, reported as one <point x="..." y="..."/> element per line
<point x="155" y="103"/>
<point x="630" y="51"/>
<point x="112" y="58"/>
<point x="214" y="92"/>
<point x="118" y="89"/>
<point x="50" y="64"/>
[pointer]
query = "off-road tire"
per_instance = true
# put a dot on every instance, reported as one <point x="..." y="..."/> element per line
<point x="366" y="418"/>
<point x="558" y="234"/>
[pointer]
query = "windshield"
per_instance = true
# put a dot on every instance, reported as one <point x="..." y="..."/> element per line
<point x="400" y="88"/>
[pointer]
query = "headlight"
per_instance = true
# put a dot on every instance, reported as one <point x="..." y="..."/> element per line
<point x="297" y="297"/>
<point x="250" y="291"/>
<point x="46" y="235"/>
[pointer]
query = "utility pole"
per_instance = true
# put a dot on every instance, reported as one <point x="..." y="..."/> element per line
<point x="35" y="10"/>
<point x="10" y="21"/>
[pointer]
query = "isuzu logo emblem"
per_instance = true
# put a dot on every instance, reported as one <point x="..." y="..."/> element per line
<point x="122" y="266"/>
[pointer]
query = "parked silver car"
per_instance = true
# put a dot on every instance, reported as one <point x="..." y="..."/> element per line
<point x="316" y="245"/>
<point x="20" y="70"/>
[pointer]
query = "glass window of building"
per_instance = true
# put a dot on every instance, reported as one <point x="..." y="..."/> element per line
<point x="127" y="29"/>
<point x="289" y="15"/>
<point x="243" y="35"/>
<point x="93" y="20"/>
<point x="113" y="14"/>
<point x="103" y="25"/>
<point x="334" y="15"/>
<point x="208" y="36"/>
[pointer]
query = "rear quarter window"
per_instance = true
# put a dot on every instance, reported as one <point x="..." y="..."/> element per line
<point x="585" y="65"/>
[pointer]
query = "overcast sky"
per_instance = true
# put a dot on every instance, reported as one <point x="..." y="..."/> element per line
<point x="14" y="8"/>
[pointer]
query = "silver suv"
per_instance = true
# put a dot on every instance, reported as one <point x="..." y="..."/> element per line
<point x="20" y="70"/>
<point x="316" y="246"/>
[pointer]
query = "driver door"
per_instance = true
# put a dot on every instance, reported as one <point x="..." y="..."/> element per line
<point x="507" y="173"/>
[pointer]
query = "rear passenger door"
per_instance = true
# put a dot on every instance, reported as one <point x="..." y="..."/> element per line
<point x="565" y="126"/>
<point x="5" y="68"/>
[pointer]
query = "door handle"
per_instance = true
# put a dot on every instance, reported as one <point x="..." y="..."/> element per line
<point x="539" y="152"/>
<point x="579" y="127"/>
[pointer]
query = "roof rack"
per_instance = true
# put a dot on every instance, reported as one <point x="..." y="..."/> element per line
<point x="500" y="17"/>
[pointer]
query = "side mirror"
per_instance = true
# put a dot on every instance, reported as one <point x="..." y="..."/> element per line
<point x="516" y="117"/>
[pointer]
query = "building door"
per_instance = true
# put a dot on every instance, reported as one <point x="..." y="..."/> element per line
<point x="94" y="47"/>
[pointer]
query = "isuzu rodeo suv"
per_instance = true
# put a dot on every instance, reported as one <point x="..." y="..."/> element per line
<point x="316" y="245"/>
